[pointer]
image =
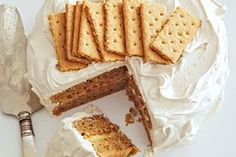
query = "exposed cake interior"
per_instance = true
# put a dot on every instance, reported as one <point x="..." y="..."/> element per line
<point x="106" y="137"/>
<point x="135" y="96"/>
<point x="99" y="86"/>
<point x="92" y="89"/>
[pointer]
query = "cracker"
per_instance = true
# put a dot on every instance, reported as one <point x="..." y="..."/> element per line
<point x="87" y="46"/>
<point x="96" y="16"/>
<point x="70" y="18"/>
<point x="176" y="35"/>
<point x="153" y="17"/>
<point x="57" y="25"/>
<point x="114" y="27"/>
<point x="132" y="23"/>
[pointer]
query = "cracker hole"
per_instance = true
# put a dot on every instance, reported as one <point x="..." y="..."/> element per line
<point x="152" y="36"/>
<point x="163" y="42"/>
<point x="96" y="12"/>
<point x="114" y="5"/>
<point x="59" y="34"/>
<point x="156" y="19"/>
<point x="176" y="24"/>
<point x="172" y="42"/>
<point x="150" y="24"/>
<point x="120" y="36"/>
<point x="181" y="15"/>
<point x="157" y="31"/>
<point x="100" y="24"/>
<point x="133" y="19"/>
<point x="114" y="17"/>
<point x="184" y="24"/>
<point x="135" y="43"/>
<point x="114" y="29"/>
<point x="149" y="12"/>
<point x="180" y="33"/>
<point x="87" y="33"/>
<point x="174" y="51"/>
<point x="87" y="44"/>
<point x="169" y="33"/>
<point x="57" y="21"/>
<point x="161" y="14"/>
<point x="192" y="23"/>
<point x="181" y="41"/>
<point x="187" y="33"/>
<point x="132" y="7"/>
<point x="114" y="41"/>
<point x="134" y="31"/>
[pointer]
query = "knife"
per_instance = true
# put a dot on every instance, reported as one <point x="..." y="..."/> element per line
<point x="16" y="97"/>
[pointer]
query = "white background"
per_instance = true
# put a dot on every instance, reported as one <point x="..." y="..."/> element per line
<point x="216" y="139"/>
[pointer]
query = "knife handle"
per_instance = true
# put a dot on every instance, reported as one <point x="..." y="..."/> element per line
<point x="27" y="134"/>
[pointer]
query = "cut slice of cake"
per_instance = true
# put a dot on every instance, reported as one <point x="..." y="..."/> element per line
<point x="90" y="135"/>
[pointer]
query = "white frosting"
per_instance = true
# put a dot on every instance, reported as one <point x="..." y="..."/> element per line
<point x="179" y="97"/>
<point x="68" y="142"/>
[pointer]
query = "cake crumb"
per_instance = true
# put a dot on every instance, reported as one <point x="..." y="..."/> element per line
<point x="140" y="119"/>
<point x="129" y="119"/>
<point x="133" y="111"/>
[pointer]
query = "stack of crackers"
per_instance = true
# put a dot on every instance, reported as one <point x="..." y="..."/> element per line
<point x="113" y="29"/>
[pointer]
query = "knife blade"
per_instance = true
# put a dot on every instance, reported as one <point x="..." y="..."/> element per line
<point x="16" y="97"/>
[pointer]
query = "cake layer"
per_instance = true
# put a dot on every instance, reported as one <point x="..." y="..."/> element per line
<point x="92" y="89"/>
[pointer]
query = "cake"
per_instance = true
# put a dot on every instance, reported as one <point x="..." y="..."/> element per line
<point x="174" y="100"/>
<point x="90" y="135"/>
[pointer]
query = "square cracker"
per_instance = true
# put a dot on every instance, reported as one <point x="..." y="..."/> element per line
<point x="132" y="23"/>
<point x="70" y="19"/>
<point x="153" y="17"/>
<point x="176" y="35"/>
<point x="57" y="25"/>
<point x="87" y="46"/>
<point x="114" y="27"/>
<point x="96" y="16"/>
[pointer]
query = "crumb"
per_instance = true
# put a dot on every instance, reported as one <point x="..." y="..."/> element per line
<point x="140" y="119"/>
<point x="133" y="111"/>
<point x="129" y="119"/>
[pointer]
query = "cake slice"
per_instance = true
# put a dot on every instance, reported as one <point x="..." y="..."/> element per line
<point x="90" y="135"/>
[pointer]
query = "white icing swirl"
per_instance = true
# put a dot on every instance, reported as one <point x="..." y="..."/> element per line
<point x="179" y="97"/>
